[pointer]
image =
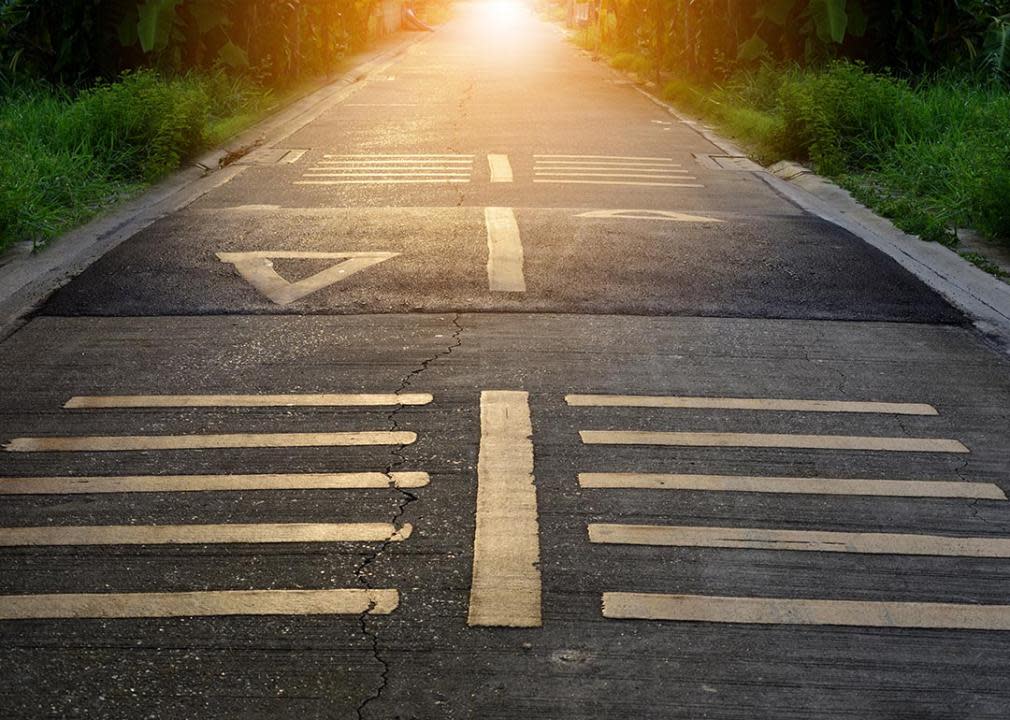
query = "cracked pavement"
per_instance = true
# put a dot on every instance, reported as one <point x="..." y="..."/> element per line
<point x="662" y="289"/>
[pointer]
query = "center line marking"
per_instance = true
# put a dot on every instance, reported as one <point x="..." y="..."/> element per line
<point x="757" y="440"/>
<point x="505" y="251"/>
<point x="800" y="540"/>
<point x="196" y="604"/>
<point x="203" y="534"/>
<point x="115" y="443"/>
<point x="506" y="585"/>
<point x="501" y="169"/>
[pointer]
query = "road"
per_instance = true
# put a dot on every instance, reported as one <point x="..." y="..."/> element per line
<point x="493" y="392"/>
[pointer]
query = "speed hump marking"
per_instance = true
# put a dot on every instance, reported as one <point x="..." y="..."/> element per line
<point x="258" y="270"/>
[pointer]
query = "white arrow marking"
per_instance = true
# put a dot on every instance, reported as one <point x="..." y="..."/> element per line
<point x="647" y="215"/>
<point x="258" y="270"/>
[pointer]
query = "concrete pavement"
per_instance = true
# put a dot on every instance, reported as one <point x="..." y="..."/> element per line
<point x="256" y="456"/>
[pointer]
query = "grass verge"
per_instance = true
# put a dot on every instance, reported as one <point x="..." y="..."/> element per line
<point x="67" y="156"/>
<point x="934" y="156"/>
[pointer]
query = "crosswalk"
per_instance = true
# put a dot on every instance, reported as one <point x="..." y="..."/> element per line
<point x="272" y="601"/>
<point x="389" y="169"/>
<point x="611" y="170"/>
<point x="622" y="605"/>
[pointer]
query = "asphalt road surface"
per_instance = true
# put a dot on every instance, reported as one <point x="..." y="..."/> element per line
<point x="494" y="392"/>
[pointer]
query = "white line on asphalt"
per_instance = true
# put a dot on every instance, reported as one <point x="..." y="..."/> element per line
<point x="755" y="440"/>
<point x="196" y="604"/>
<point x="792" y="611"/>
<point x="505" y="590"/>
<point x="800" y="540"/>
<point x="203" y="534"/>
<point x="794" y="485"/>
<point x="401" y="155"/>
<point x="387" y="175"/>
<point x="501" y="169"/>
<point x="613" y="175"/>
<point x="505" y="251"/>
<point x="611" y="164"/>
<point x="720" y="403"/>
<point x="292" y="400"/>
<point x="380" y="182"/>
<point x="619" y="182"/>
<point x="116" y="443"/>
<point x="257" y="269"/>
<point x="402" y="162"/>
<point x="609" y="172"/>
<point x="78" y="485"/>
<point x="606" y="157"/>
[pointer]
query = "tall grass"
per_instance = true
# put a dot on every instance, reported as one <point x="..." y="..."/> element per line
<point x="67" y="156"/>
<point x="933" y="155"/>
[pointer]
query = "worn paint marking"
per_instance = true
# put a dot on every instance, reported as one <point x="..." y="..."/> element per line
<point x="203" y="534"/>
<point x="501" y="168"/>
<point x="716" y="403"/>
<point x="258" y="270"/>
<point x="803" y="540"/>
<point x="115" y="443"/>
<point x="792" y="611"/>
<point x="663" y="215"/>
<point x="205" y="483"/>
<point x="195" y="604"/>
<point x="505" y="251"/>
<point x="794" y="485"/>
<point x="506" y="589"/>
<point x="293" y="400"/>
<point x="618" y="182"/>
<point x="755" y="440"/>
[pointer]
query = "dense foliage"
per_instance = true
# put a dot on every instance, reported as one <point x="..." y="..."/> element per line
<point x="714" y="38"/>
<point x="72" y="40"/>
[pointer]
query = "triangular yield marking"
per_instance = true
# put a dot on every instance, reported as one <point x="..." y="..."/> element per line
<point x="258" y="270"/>
<point x="667" y="215"/>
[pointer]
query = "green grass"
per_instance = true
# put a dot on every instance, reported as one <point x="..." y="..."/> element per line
<point x="934" y="155"/>
<point x="66" y="157"/>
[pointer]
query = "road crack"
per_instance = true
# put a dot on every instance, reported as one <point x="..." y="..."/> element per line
<point x="397" y="462"/>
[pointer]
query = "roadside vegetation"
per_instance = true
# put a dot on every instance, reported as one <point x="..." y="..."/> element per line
<point x="99" y="98"/>
<point x="906" y="104"/>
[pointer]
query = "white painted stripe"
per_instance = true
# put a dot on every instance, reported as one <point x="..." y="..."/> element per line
<point x="790" y="611"/>
<point x="203" y="534"/>
<point x="576" y="164"/>
<point x="197" y="604"/>
<point x="292" y="400"/>
<point x="808" y="442"/>
<point x="794" y="485"/>
<point x="610" y="172"/>
<point x="407" y="174"/>
<point x="800" y="540"/>
<point x="505" y="251"/>
<point x="231" y="257"/>
<point x="402" y="155"/>
<point x="718" y="403"/>
<point x="501" y="168"/>
<point x="506" y="577"/>
<point x="378" y="182"/>
<point x="116" y="443"/>
<point x="618" y="182"/>
<point x="421" y="162"/>
<point x="615" y="175"/>
<point x="606" y="157"/>
<point x="202" y="483"/>
<point x="663" y="215"/>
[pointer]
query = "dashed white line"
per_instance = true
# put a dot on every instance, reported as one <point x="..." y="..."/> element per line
<point x="505" y="251"/>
